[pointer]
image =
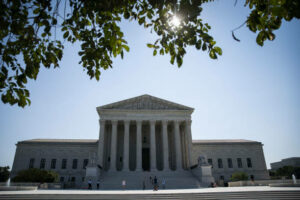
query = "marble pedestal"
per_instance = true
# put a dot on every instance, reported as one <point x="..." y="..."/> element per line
<point x="204" y="175"/>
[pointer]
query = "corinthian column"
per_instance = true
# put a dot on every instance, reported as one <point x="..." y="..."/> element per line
<point x="178" y="146"/>
<point x="113" y="150"/>
<point x="126" y="146"/>
<point x="152" y="146"/>
<point x="138" y="145"/>
<point x="101" y="142"/>
<point x="188" y="133"/>
<point x="165" y="145"/>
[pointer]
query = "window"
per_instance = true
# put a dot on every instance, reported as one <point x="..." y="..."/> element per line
<point x="108" y="159"/>
<point x="85" y="163"/>
<point x="43" y="163"/>
<point x="31" y="163"/>
<point x="229" y="160"/>
<point x="239" y="162"/>
<point x="53" y="163"/>
<point x="220" y="163"/>
<point x="249" y="163"/>
<point x="74" y="165"/>
<point x="210" y="162"/>
<point x="144" y="140"/>
<point x="82" y="179"/>
<point x="221" y="177"/>
<point x="73" y="179"/>
<point x="64" y="164"/>
<point x="252" y="177"/>
<point x="62" y="179"/>
<point x="121" y="159"/>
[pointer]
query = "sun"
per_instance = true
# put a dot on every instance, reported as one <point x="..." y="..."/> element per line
<point x="175" y="22"/>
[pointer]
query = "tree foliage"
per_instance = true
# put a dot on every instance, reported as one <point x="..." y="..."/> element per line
<point x="28" y="33"/>
<point x="267" y="16"/>
<point x="4" y="173"/>
<point x="36" y="176"/>
<point x="287" y="172"/>
<point x="239" y="176"/>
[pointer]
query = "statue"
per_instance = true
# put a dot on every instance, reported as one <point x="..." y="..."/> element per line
<point x="92" y="170"/>
<point x="202" y="161"/>
<point x="203" y="172"/>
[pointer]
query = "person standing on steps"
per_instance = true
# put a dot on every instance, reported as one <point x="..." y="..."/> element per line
<point x="155" y="183"/>
<point x="163" y="182"/>
<point x="89" y="184"/>
<point x="98" y="185"/>
<point x="124" y="184"/>
<point x="144" y="184"/>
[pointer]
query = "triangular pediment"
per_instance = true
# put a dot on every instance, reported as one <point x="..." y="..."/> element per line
<point x="145" y="102"/>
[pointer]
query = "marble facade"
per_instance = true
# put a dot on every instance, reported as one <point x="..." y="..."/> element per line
<point x="138" y="137"/>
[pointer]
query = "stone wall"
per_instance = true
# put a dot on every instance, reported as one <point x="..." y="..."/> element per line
<point x="58" y="151"/>
<point x="233" y="150"/>
<point x="259" y="182"/>
<point x="82" y="150"/>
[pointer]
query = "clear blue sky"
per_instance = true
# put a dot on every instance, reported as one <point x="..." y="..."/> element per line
<point x="250" y="92"/>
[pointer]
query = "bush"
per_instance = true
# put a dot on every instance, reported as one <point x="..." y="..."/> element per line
<point x="4" y="173"/>
<point x="239" y="176"/>
<point x="36" y="175"/>
<point x="288" y="171"/>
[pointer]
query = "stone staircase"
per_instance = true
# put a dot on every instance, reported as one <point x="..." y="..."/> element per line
<point x="134" y="180"/>
<point x="264" y="195"/>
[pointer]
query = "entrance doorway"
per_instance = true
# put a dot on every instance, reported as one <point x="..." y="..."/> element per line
<point x="146" y="159"/>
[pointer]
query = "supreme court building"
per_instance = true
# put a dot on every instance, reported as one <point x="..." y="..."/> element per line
<point x="141" y="137"/>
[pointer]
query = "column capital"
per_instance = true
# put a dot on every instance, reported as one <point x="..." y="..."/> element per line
<point x="102" y="121"/>
<point x="177" y="121"/>
<point x="188" y="122"/>
<point x="138" y="121"/>
<point x="114" y="121"/>
<point x="127" y="121"/>
<point x="164" y="121"/>
<point x="152" y="121"/>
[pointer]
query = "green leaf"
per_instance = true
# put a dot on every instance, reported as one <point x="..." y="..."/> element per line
<point x="36" y="11"/>
<point x="150" y="45"/>
<point x="260" y="38"/>
<point x="172" y="59"/>
<point x="198" y="45"/>
<point x="154" y="52"/>
<point x="161" y="52"/>
<point x="212" y="54"/>
<point x="179" y="60"/>
<point x="271" y="36"/>
<point x="66" y="34"/>
<point x="218" y="50"/>
<point x="125" y="47"/>
<point x="204" y="47"/>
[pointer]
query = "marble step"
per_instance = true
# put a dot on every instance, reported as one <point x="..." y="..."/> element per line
<point x="288" y="195"/>
<point x="134" y="180"/>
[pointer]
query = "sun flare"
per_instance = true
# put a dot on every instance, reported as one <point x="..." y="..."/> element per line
<point x="175" y="22"/>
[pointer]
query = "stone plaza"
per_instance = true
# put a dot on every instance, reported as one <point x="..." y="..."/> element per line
<point x="261" y="192"/>
<point x="141" y="137"/>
